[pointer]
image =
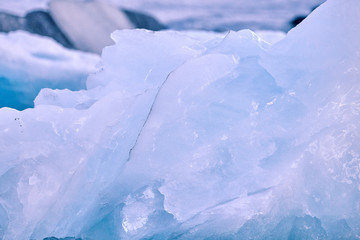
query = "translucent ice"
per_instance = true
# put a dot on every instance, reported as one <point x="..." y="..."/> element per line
<point x="195" y="136"/>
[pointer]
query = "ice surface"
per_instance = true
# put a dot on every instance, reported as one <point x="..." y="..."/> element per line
<point x="271" y="37"/>
<point x="195" y="136"/>
<point x="29" y="62"/>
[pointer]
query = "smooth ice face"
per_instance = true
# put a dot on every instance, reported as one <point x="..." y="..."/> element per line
<point x="194" y="136"/>
<point x="318" y="63"/>
<point x="30" y="62"/>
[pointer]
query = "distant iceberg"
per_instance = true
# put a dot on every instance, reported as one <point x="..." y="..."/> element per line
<point x="195" y="136"/>
<point x="82" y="25"/>
<point x="88" y="24"/>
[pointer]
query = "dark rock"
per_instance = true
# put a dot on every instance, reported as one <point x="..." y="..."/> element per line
<point x="10" y="22"/>
<point x="298" y="19"/>
<point x="141" y="20"/>
<point x="37" y="22"/>
<point x="41" y="23"/>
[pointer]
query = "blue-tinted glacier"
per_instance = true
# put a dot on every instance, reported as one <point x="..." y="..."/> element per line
<point x="186" y="135"/>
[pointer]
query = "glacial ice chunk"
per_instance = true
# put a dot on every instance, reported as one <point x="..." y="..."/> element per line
<point x="194" y="136"/>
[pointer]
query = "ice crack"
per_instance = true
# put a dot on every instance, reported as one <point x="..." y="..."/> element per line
<point x="147" y="116"/>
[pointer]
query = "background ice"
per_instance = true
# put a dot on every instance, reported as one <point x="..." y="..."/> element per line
<point x="195" y="136"/>
<point x="30" y="62"/>
<point x="219" y="15"/>
<point x="88" y="25"/>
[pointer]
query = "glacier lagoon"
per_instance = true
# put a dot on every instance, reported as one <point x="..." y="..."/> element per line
<point x="186" y="135"/>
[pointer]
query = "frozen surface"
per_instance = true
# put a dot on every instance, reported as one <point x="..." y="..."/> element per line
<point x="195" y="135"/>
<point x="29" y="62"/>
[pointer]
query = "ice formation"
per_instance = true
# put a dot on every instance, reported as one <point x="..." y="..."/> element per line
<point x="195" y="136"/>
<point x="30" y="62"/>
